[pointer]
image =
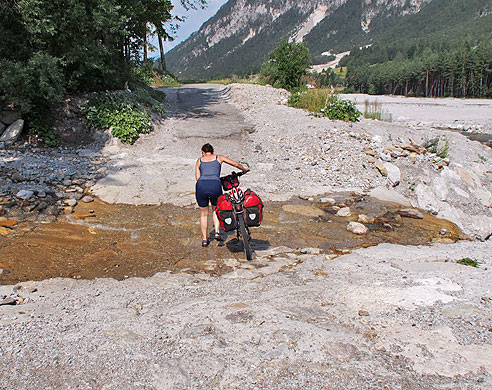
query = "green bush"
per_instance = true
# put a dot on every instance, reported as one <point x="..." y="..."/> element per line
<point x="41" y="124"/>
<point x="119" y="112"/>
<point x="338" y="109"/>
<point x="287" y="64"/>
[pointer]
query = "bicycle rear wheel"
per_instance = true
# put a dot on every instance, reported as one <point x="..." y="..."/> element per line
<point x="245" y="236"/>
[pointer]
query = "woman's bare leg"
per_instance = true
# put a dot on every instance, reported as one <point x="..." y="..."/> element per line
<point x="216" y="220"/>
<point x="204" y="221"/>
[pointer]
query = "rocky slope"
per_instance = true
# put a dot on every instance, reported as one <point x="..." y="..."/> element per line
<point x="243" y="32"/>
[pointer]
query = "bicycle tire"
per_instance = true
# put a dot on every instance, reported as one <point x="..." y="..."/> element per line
<point x="245" y="236"/>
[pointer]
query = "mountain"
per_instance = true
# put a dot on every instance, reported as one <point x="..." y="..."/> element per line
<point x="243" y="32"/>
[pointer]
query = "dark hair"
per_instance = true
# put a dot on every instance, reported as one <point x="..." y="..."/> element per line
<point x="207" y="148"/>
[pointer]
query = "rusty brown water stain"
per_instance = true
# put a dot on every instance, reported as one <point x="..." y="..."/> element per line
<point x="120" y="241"/>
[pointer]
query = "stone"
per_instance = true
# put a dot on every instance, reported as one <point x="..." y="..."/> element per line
<point x="389" y="195"/>
<point x="24" y="194"/>
<point x="8" y="301"/>
<point x="13" y="132"/>
<point x="370" y="152"/>
<point x="426" y="199"/>
<point x="67" y="182"/>
<point x="41" y="194"/>
<point x="357" y="228"/>
<point x="70" y="202"/>
<point x="393" y="174"/>
<point x="344" y="212"/>
<point x="365" y="219"/>
<point x="8" y="223"/>
<point x="381" y="168"/>
<point x="9" y="117"/>
<point x="87" y="199"/>
<point x="51" y="210"/>
<point x="411" y="213"/>
<point x="328" y="201"/>
<point x="363" y="313"/>
<point x="4" y="231"/>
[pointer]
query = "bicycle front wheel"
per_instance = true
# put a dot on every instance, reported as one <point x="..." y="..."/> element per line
<point x="245" y="235"/>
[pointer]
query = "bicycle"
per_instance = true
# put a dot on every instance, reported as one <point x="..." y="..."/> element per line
<point x="236" y="220"/>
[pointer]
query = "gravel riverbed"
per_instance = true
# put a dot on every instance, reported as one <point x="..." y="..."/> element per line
<point x="389" y="316"/>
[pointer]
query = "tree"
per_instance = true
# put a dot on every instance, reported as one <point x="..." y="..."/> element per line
<point x="287" y="64"/>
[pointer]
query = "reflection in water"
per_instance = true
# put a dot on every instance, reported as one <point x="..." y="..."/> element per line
<point x="120" y="241"/>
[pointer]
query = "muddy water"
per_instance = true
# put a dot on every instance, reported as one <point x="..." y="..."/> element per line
<point x="119" y="241"/>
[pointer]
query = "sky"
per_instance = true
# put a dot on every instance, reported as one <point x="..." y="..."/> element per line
<point x="194" y="19"/>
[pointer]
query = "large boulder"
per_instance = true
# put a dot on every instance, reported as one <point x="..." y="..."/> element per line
<point x="393" y="174"/>
<point x="9" y="117"/>
<point x="13" y="132"/>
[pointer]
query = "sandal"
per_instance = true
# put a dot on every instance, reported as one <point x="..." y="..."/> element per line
<point x="205" y="243"/>
<point x="218" y="237"/>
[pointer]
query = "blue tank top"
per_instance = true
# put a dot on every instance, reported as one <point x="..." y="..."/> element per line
<point x="210" y="170"/>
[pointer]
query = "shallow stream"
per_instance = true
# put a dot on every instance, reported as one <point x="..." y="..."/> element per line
<point x="120" y="241"/>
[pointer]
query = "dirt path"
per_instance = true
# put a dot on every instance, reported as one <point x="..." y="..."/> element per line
<point x="159" y="168"/>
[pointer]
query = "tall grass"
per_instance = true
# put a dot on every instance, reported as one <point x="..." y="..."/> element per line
<point x="313" y="100"/>
<point x="374" y="110"/>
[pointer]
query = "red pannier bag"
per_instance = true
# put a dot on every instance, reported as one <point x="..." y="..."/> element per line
<point x="225" y="214"/>
<point x="253" y="208"/>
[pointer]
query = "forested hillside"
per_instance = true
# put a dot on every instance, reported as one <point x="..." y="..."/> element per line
<point x="446" y="51"/>
<point x="243" y="33"/>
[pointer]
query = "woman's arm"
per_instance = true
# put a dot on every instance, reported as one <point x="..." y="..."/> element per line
<point x="197" y="170"/>
<point x="232" y="162"/>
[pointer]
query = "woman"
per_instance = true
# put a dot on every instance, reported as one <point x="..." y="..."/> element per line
<point x="209" y="188"/>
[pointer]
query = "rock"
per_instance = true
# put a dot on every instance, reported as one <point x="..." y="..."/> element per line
<point x="13" y="132"/>
<point x="382" y="169"/>
<point x="41" y="194"/>
<point x="426" y="199"/>
<point x="370" y="152"/>
<point x="2" y="127"/>
<point x="365" y="219"/>
<point x="363" y="313"/>
<point x="70" y="202"/>
<point x="4" y="231"/>
<point x="344" y="212"/>
<point x="87" y="199"/>
<point x="9" y="117"/>
<point x="8" y="301"/>
<point x="385" y="157"/>
<point x="357" y="228"/>
<point x="52" y="210"/>
<point x="328" y="201"/>
<point x="24" y="194"/>
<point x="67" y="182"/>
<point x="393" y="174"/>
<point x="42" y="206"/>
<point x="8" y="223"/>
<point x="411" y="213"/>
<point x="387" y="195"/>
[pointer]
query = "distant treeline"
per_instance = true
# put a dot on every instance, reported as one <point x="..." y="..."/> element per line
<point x="464" y="70"/>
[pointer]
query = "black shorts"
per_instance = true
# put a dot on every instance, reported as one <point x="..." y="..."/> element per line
<point x="208" y="190"/>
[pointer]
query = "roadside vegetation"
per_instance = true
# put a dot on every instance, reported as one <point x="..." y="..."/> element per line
<point x="106" y="51"/>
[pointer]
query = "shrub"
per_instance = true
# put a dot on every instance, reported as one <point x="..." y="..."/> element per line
<point x="117" y="111"/>
<point x="338" y="109"/>
<point x="438" y="146"/>
<point x="42" y="126"/>
<point x="468" y="261"/>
